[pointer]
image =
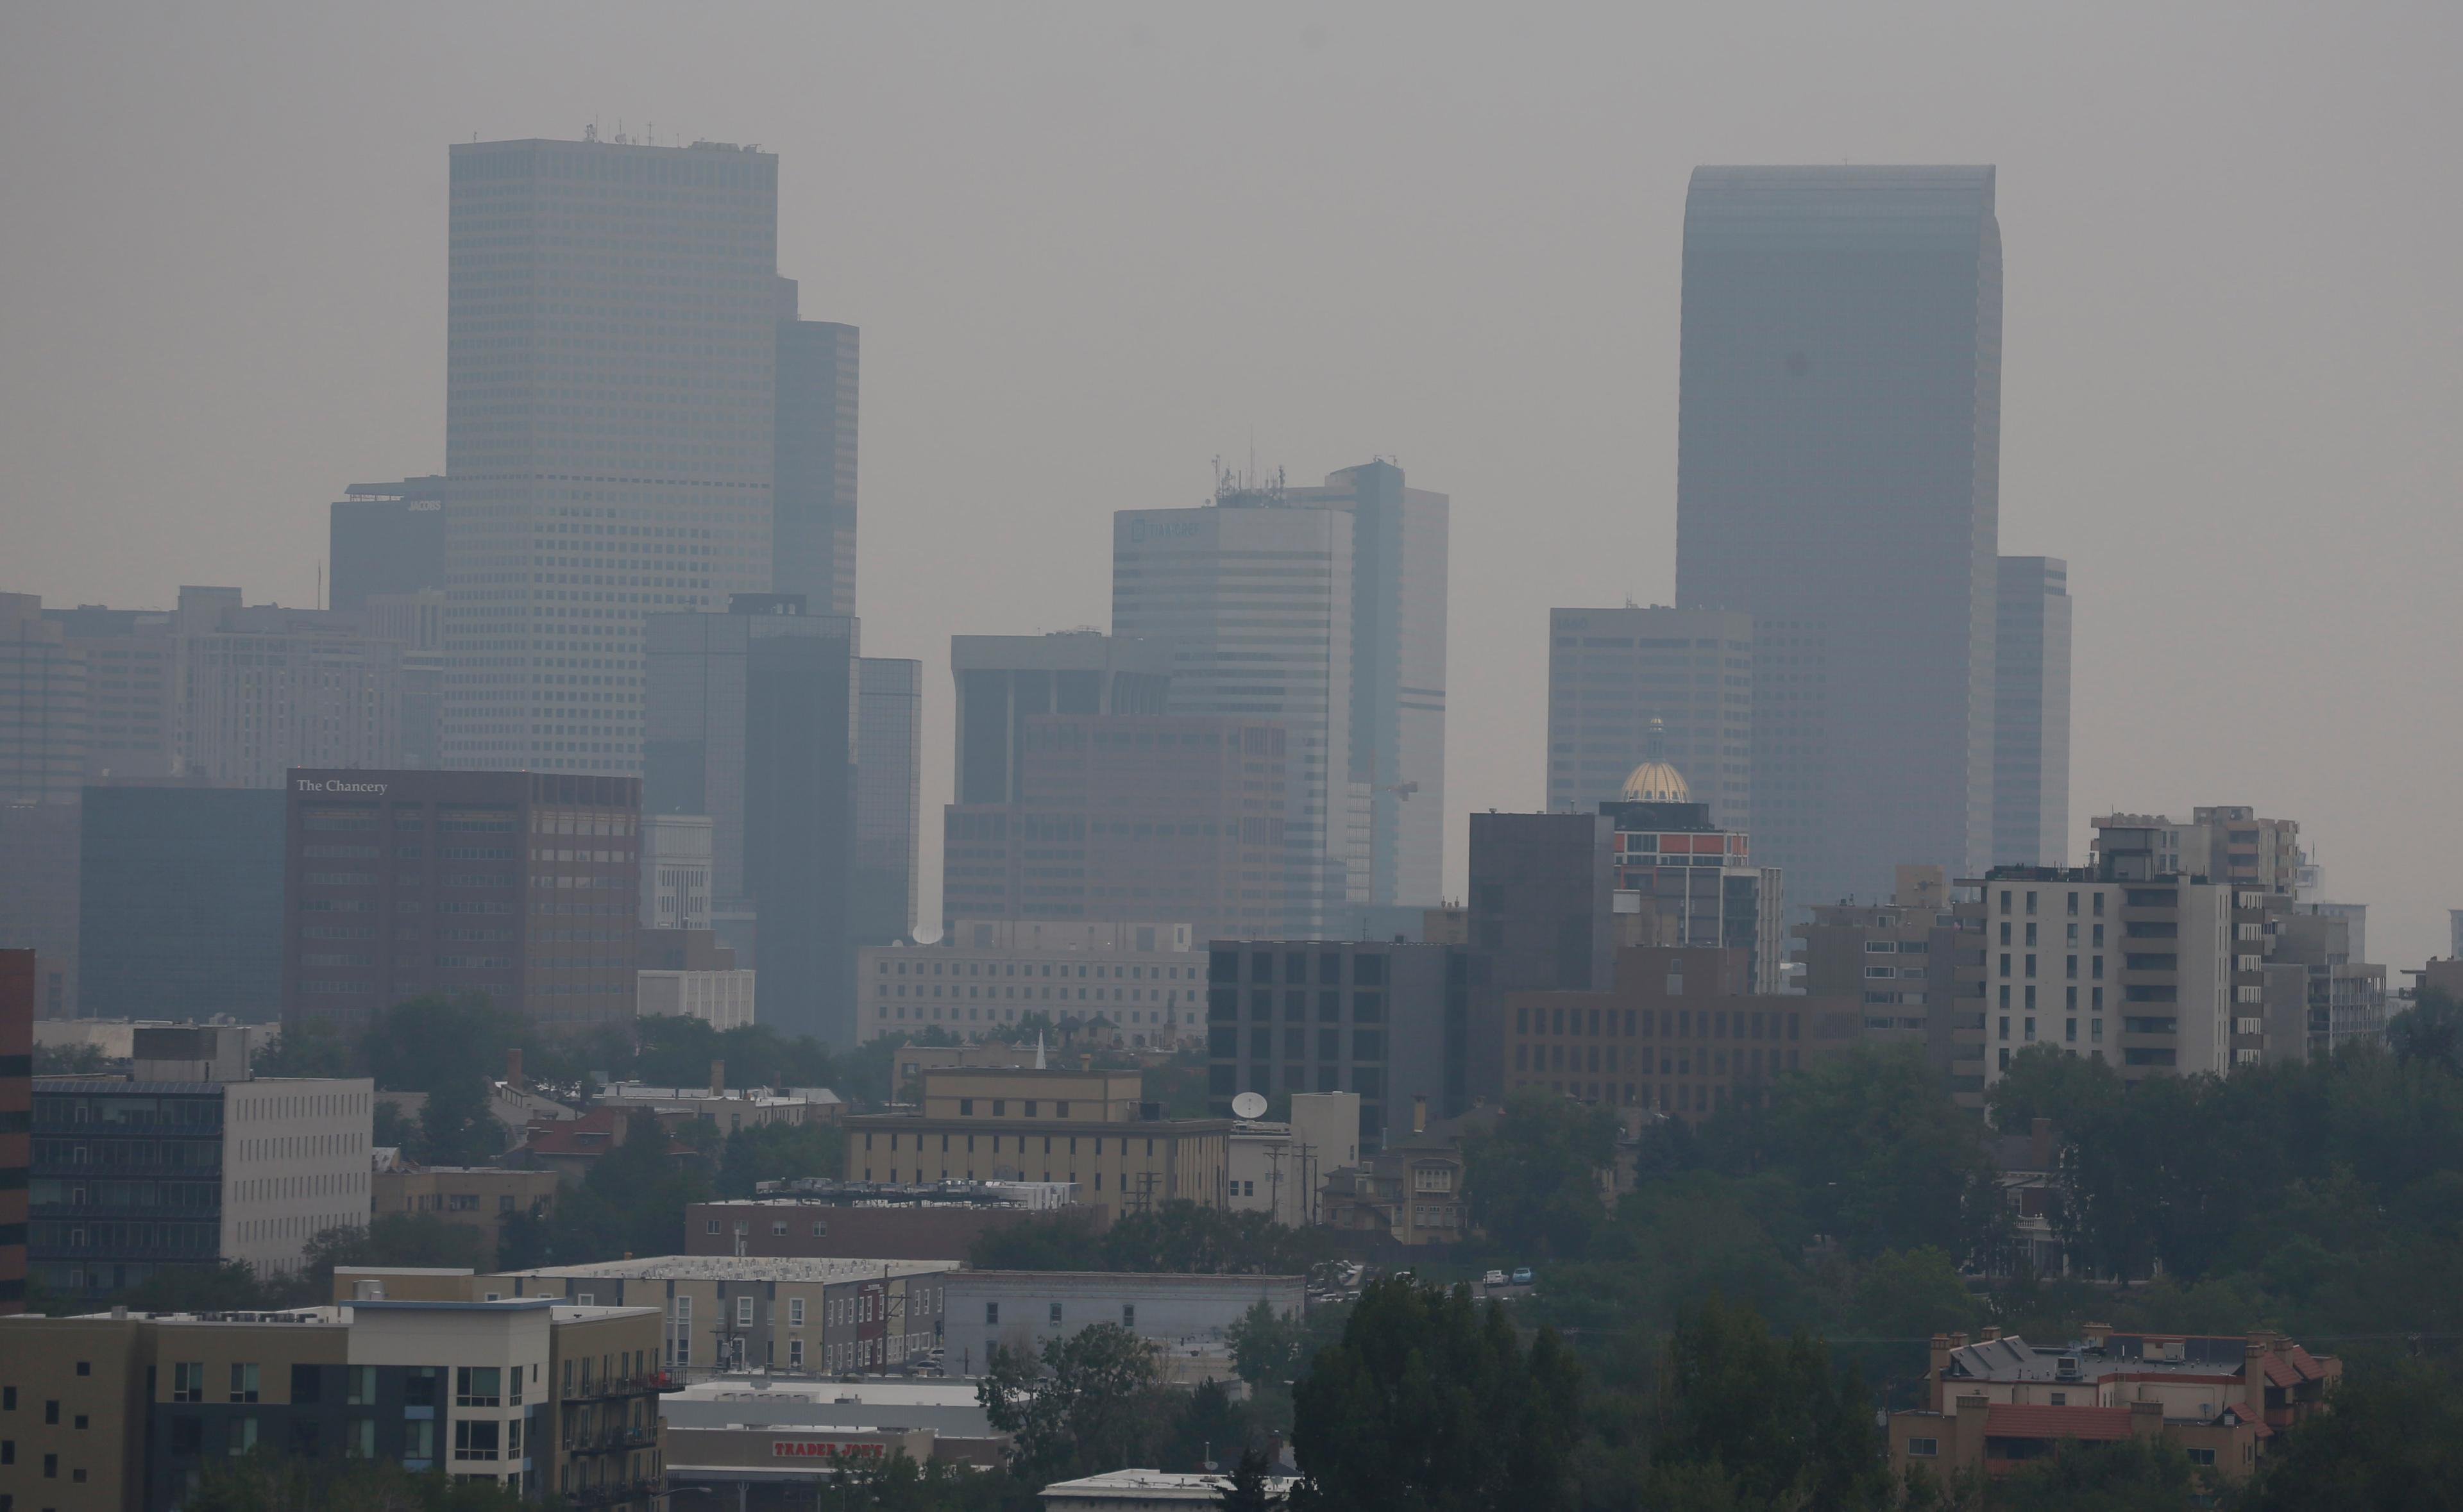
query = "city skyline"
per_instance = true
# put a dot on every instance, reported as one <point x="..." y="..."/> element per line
<point x="2126" y="336"/>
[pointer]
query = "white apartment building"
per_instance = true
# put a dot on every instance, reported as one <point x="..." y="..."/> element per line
<point x="723" y="999"/>
<point x="1147" y="979"/>
<point x="676" y="869"/>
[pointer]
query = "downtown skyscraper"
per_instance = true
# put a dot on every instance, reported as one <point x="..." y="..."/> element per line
<point x="629" y="399"/>
<point x="1839" y="478"/>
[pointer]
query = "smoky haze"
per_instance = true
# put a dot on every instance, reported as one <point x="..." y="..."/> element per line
<point x="1092" y="247"/>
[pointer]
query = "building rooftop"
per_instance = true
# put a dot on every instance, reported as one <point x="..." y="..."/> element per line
<point x="2013" y="1359"/>
<point x="1159" y="1485"/>
<point x="814" y="1389"/>
<point x="737" y="1268"/>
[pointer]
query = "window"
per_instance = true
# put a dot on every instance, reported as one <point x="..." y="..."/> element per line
<point x="795" y="1313"/>
<point x="478" y="1385"/>
<point x="359" y="1385"/>
<point x="779" y="1228"/>
<point x="188" y="1437"/>
<point x="992" y="1312"/>
<point x="243" y="1385"/>
<point x="476" y="1438"/>
<point x="1128" y="1315"/>
<point x="307" y="1383"/>
<point x="2202" y="1457"/>
<point x="1924" y="1448"/>
<point x="187" y="1382"/>
<point x="360" y="1438"/>
<point x="420" y="1386"/>
<point x="242" y="1437"/>
<point x="709" y="1226"/>
<point x="795" y="1354"/>
<point x="744" y="1312"/>
<point x="1056" y="1312"/>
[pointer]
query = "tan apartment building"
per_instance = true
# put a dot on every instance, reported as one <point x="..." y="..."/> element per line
<point x="1899" y="959"/>
<point x="123" y="1410"/>
<point x="1145" y="978"/>
<point x="476" y="1197"/>
<point x="726" y="1312"/>
<point x="1678" y="1034"/>
<point x="1093" y="1128"/>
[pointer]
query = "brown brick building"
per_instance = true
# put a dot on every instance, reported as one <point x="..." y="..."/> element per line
<point x="1677" y="1033"/>
<point x="523" y="886"/>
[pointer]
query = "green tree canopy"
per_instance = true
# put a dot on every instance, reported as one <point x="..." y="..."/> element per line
<point x="1088" y="1404"/>
<point x="1771" y="1416"/>
<point x="2045" y="1081"/>
<point x="1534" y="1179"/>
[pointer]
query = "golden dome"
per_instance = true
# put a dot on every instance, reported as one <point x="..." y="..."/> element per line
<point x="1656" y="781"/>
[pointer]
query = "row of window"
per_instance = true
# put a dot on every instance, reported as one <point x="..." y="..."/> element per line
<point x="1648" y="1024"/>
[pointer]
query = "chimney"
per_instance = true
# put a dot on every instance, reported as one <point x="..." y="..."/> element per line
<point x="2040" y="1143"/>
<point x="2253" y="1374"/>
<point x="1940" y="1363"/>
<point x="1991" y="1335"/>
<point x="718" y="1078"/>
<point x="1418" y="1112"/>
<point x="2096" y="1333"/>
<point x="513" y="1068"/>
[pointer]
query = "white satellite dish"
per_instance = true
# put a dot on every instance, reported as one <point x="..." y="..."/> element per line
<point x="1249" y="1105"/>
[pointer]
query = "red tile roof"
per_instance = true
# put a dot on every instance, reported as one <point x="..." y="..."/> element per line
<point x="2005" y="1420"/>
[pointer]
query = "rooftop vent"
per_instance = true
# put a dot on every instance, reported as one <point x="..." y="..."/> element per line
<point x="2066" y="1367"/>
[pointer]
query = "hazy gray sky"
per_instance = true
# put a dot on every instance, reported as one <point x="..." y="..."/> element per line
<point x="1092" y="246"/>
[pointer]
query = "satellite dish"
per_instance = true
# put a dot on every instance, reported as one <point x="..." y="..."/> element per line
<point x="1249" y="1105"/>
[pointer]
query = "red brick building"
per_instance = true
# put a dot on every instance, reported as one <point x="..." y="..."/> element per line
<point x="523" y="886"/>
<point x="1679" y="1033"/>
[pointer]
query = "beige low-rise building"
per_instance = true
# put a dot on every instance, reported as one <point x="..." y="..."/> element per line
<point x="1279" y="1166"/>
<point x="481" y="1198"/>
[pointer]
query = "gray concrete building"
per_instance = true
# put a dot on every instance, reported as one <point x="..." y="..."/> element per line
<point x="180" y="904"/>
<point x="1838" y="478"/>
<point x="888" y="798"/>
<point x="1389" y="1022"/>
<point x="813" y="542"/>
<point x="385" y="538"/>
<point x="2031" y="713"/>
<point x="1024" y="1308"/>
<point x="1004" y="680"/>
<point x="1618" y="678"/>
<point x="612" y="341"/>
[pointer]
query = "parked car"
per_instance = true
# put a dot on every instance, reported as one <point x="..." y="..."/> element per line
<point x="1494" y="1278"/>
<point x="1523" y="1276"/>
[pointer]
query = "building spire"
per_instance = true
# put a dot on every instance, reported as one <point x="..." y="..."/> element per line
<point x="1038" y="1049"/>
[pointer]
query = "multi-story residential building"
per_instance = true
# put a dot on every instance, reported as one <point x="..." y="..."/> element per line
<point x="43" y="707"/>
<point x="2156" y="974"/>
<point x="523" y="886"/>
<point x="724" y="1312"/>
<point x="1003" y="681"/>
<point x="1680" y="1032"/>
<point x="563" y="535"/>
<point x="1145" y="978"/>
<point x="2343" y="994"/>
<point x="1389" y="1022"/>
<point x="1620" y="679"/>
<point x="1025" y="1309"/>
<point x="1838" y="478"/>
<point x="478" y="1197"/>
<point x="263" y="689"/>
<point x="1323" y="609"/>
<point x="753" y="722"/>
<point x="723" y="996"/>
<point x="1683" y="882"/>
<point x="1900" y="960"/>
<point x="137" y="1404"/>
<point x="812" y="543"/>
<point x="1090" y="1128"/>
<point x="16" y="1119"/>
<point x="385" y="539"/>
<point x="2220" y="843"/>
<point x="2217" y="1401"/>
<point x="1126" y="817"/>
<point x="2031" y="713"/>
<point x="889" y="798"/>
<point x="132" y="1177"/>
<point x="180" y="904"/>
<point x="1410" y="1193"/>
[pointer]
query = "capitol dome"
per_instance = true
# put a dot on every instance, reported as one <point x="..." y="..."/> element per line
<point x="1655" y="781"/>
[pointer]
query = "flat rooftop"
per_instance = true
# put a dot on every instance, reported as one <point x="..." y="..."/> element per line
<point x="736" y="1267"/>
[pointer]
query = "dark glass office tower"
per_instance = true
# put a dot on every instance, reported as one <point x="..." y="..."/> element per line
<point x="1004" y="681"/>
<point x="1839" y="447"/>
<point x="813" y="528"/>
<point x="888" y="798"/>
<point x="180" y="904"/>
<point x="2031" y="723"/>
<point x="385" y="538"/>
<point x="750" y="718"/>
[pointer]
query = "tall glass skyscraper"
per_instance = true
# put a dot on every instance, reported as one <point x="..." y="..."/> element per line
<point x="1838" y="478"/>
<point x="611" y="354"/>
<point x="2030" y="723"/>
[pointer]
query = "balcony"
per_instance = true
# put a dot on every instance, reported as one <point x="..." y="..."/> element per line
<point x="605" y="1440"/>
<point x="624" y="1386"/>
<point x="646" y="1488"/>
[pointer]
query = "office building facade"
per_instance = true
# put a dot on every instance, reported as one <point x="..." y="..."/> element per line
<point x="1389" y="1022"/>
<point x="43" y="701"/>
<point x="130" y="1177"/>
<point x="264" y="690"/>
<point x="1900" y="960"/>
<point x="39" y="897"/>
<point x="753" y="722"/>
<point x="2031" y="718"/>
<point x="888" y="798"/>
<point x="1146" y="980"/>
<point x="132" y="667"/>
<point x="1681" y="1033"/>
<point x="385" y="539"/>
<point x="180" y="904"/>
<point x="1123" y="819"/>
<point x="1681" y="882"/>
<point x="16" y="1119"/>
<point x="1618" y="678"/>
<point x="1004" y="680"/>
<point x="813" y="541"/>
<point x="612" y="456"/>
<point x="1839" y="446"/>
<point x="523" y="887"/>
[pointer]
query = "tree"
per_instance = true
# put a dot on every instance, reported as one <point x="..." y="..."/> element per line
<point x="1431" y="1404"/>
<point x="2045" y="1081"/>
<point x="1265" y="1343"/>
<point x="2129" y="1475"/>
<point x="391" y="1128"/>
<point x="421" y="1239"/>
<point x="2429" y="1031"/>
<point x="1091" y="1403"/>
<point x="264" y="1482"/>
<point x="310" y="1046"/>
<point x="1772" y="1416"/>
<point x="2390" y="1439"/>
<point x="421" y="1043"/>
<point x="779" y="1153"/>
<point x="456" y="1127"/>
<point x="1064" y="1240"/>
<point x="72" y="1060"/>
<point x="1244" y="1490"/>
<point x="632" y="1202"/>
<point x="1534" y="1179"/>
